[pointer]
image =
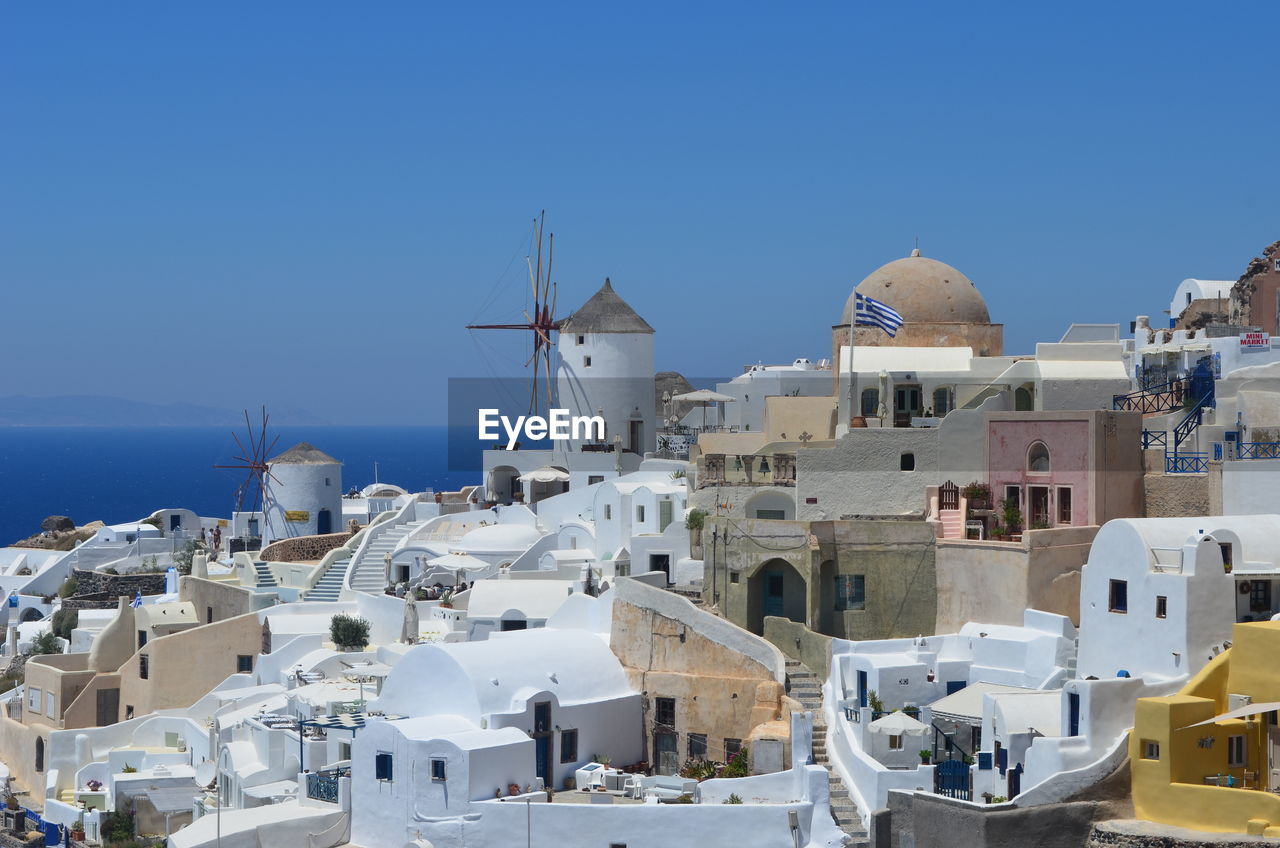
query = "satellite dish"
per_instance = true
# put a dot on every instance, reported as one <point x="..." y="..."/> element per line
<point x="206" y="772"/>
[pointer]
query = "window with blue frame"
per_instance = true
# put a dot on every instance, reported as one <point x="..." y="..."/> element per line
<point x="382" y="766"/>
<point x="851" y="591"/>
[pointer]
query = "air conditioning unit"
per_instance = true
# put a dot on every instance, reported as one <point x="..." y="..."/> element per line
<point x="1235" y="702"/>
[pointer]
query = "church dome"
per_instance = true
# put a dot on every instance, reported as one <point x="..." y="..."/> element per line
<point x="923" y="291"/>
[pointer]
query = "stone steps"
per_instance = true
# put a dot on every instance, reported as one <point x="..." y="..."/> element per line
<point x="805" y="687"/>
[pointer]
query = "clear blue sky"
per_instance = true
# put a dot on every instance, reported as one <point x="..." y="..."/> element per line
<point x="303" y="203"/>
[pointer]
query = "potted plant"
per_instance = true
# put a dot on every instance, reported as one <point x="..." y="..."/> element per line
<point x="1012" y="516"/>
<point x="978" y="495"/>
<point x="94" y="785"/>
<point x="77" y="830"/>
<point x="513" y="789"/>
<point x="925" y="756"/>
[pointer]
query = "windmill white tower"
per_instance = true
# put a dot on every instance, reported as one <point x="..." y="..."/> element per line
<point x="302" y="494"/>
<point x="604" y="366"/>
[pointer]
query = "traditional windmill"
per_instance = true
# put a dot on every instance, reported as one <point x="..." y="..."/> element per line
<point x="253" y="460"/>
<point x="541" y="323"/>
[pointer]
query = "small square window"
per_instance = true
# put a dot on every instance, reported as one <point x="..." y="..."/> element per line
<point x="664" y="711"/>
<point x="733" y="577"/>
<point x="1150" y="749"/>
<point x="731" y="748"/>
<point x="568" y="746"/>
<point x="592" y="479"/>
<point x="586" y="362"/>
<point x="437" y="769"/>
<point x="907" y="462"/>
<point x="244" y="664"/>
<point x="895" y="742"/>
<point x="1118" y="596"/>
<point x="144" y="666"/>
<point x="582" y="339"/>
<point x="697" y="746"/>
<point x="382" y="766"/>
<point x="326" y="481"/>
<point x="640" y="513"/>
<point x="1162" y="606"/>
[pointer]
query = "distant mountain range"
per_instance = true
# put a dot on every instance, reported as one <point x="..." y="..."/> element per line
<point x="104" y="411"/>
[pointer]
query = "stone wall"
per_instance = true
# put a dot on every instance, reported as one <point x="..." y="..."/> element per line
<point x="1176" y="495"/>
<point x="1140" y="834"/>
<point x="304" y="548"/>
<point x="800" y="643"/>
<point x="915" y="820"/>
<point x="115" y="585"/>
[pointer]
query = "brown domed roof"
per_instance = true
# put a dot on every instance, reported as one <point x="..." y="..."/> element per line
<point x="924" y="291"/>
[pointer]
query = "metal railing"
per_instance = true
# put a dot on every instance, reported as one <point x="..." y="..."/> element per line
<point x="323" y="787"/>
<point x="1196" y="462"/>
<point x="1258" y="450"/>
<point x="1150" y="400"/>
<point x="1155" y="439"/>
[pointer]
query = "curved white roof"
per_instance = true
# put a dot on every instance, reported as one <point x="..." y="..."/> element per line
<point x="498" y="539"/>
<point x="478" y="679"/>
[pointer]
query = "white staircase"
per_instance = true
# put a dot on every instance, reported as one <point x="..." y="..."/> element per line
<point x="368" y="571"/>
<point x="329" y="586"/>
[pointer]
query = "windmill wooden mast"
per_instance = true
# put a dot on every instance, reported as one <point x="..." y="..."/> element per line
<point x="253" y="460"/>
<point x="542" y="322"/>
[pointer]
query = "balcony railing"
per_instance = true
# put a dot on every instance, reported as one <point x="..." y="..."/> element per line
<point x="323" y="787"/>
<point x="1258" y="450"/>
<point x="1186" y="463"/>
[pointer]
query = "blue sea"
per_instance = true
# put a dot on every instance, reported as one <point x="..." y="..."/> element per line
<point x="122" y="474"/>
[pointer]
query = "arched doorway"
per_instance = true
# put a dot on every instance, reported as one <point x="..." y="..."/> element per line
<point x="39" y="753"/>
<point x="503" y="484"/>
<point x="1024" y="399"/>
<point x="776" y="589"/>
<point x="324" y="522"/>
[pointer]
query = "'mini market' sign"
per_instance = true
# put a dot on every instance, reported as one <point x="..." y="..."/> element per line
<point x="1255" y="341"/>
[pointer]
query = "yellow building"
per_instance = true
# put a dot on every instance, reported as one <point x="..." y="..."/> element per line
<point x="1208" y="758"/>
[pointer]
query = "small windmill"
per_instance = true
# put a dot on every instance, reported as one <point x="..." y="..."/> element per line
<point x="253" y="460"/>
<point x="542" y="322"/>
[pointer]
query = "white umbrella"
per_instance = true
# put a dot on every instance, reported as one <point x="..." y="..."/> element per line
<point x="459" y="562"/>
<point x="545" y="474"/>
<point x="704" y="398"/>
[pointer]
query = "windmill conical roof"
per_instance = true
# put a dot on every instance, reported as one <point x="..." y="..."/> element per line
<point x="303" y="453"/>
<point x="605" y="312"/>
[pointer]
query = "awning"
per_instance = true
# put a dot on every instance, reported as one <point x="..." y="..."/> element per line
<point x="275" y="789"/>
<point x="966" y="705"/>
<point x="1241" y="712"/>
<point x="172" y="799"/>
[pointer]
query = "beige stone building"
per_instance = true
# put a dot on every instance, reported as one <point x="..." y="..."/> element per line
<point x="708" y="687"/>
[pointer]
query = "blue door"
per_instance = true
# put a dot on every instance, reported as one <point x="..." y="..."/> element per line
<point x="862" y="688"/>
<point x="1073" y="709"/>
<point x="773" y="601"/>
<point x="544" y="759"/>
<point x="954" y="686"/>
<point x="324" y="522"/>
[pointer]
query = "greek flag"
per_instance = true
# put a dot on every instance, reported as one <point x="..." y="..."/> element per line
<point x="869" y="312"/>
